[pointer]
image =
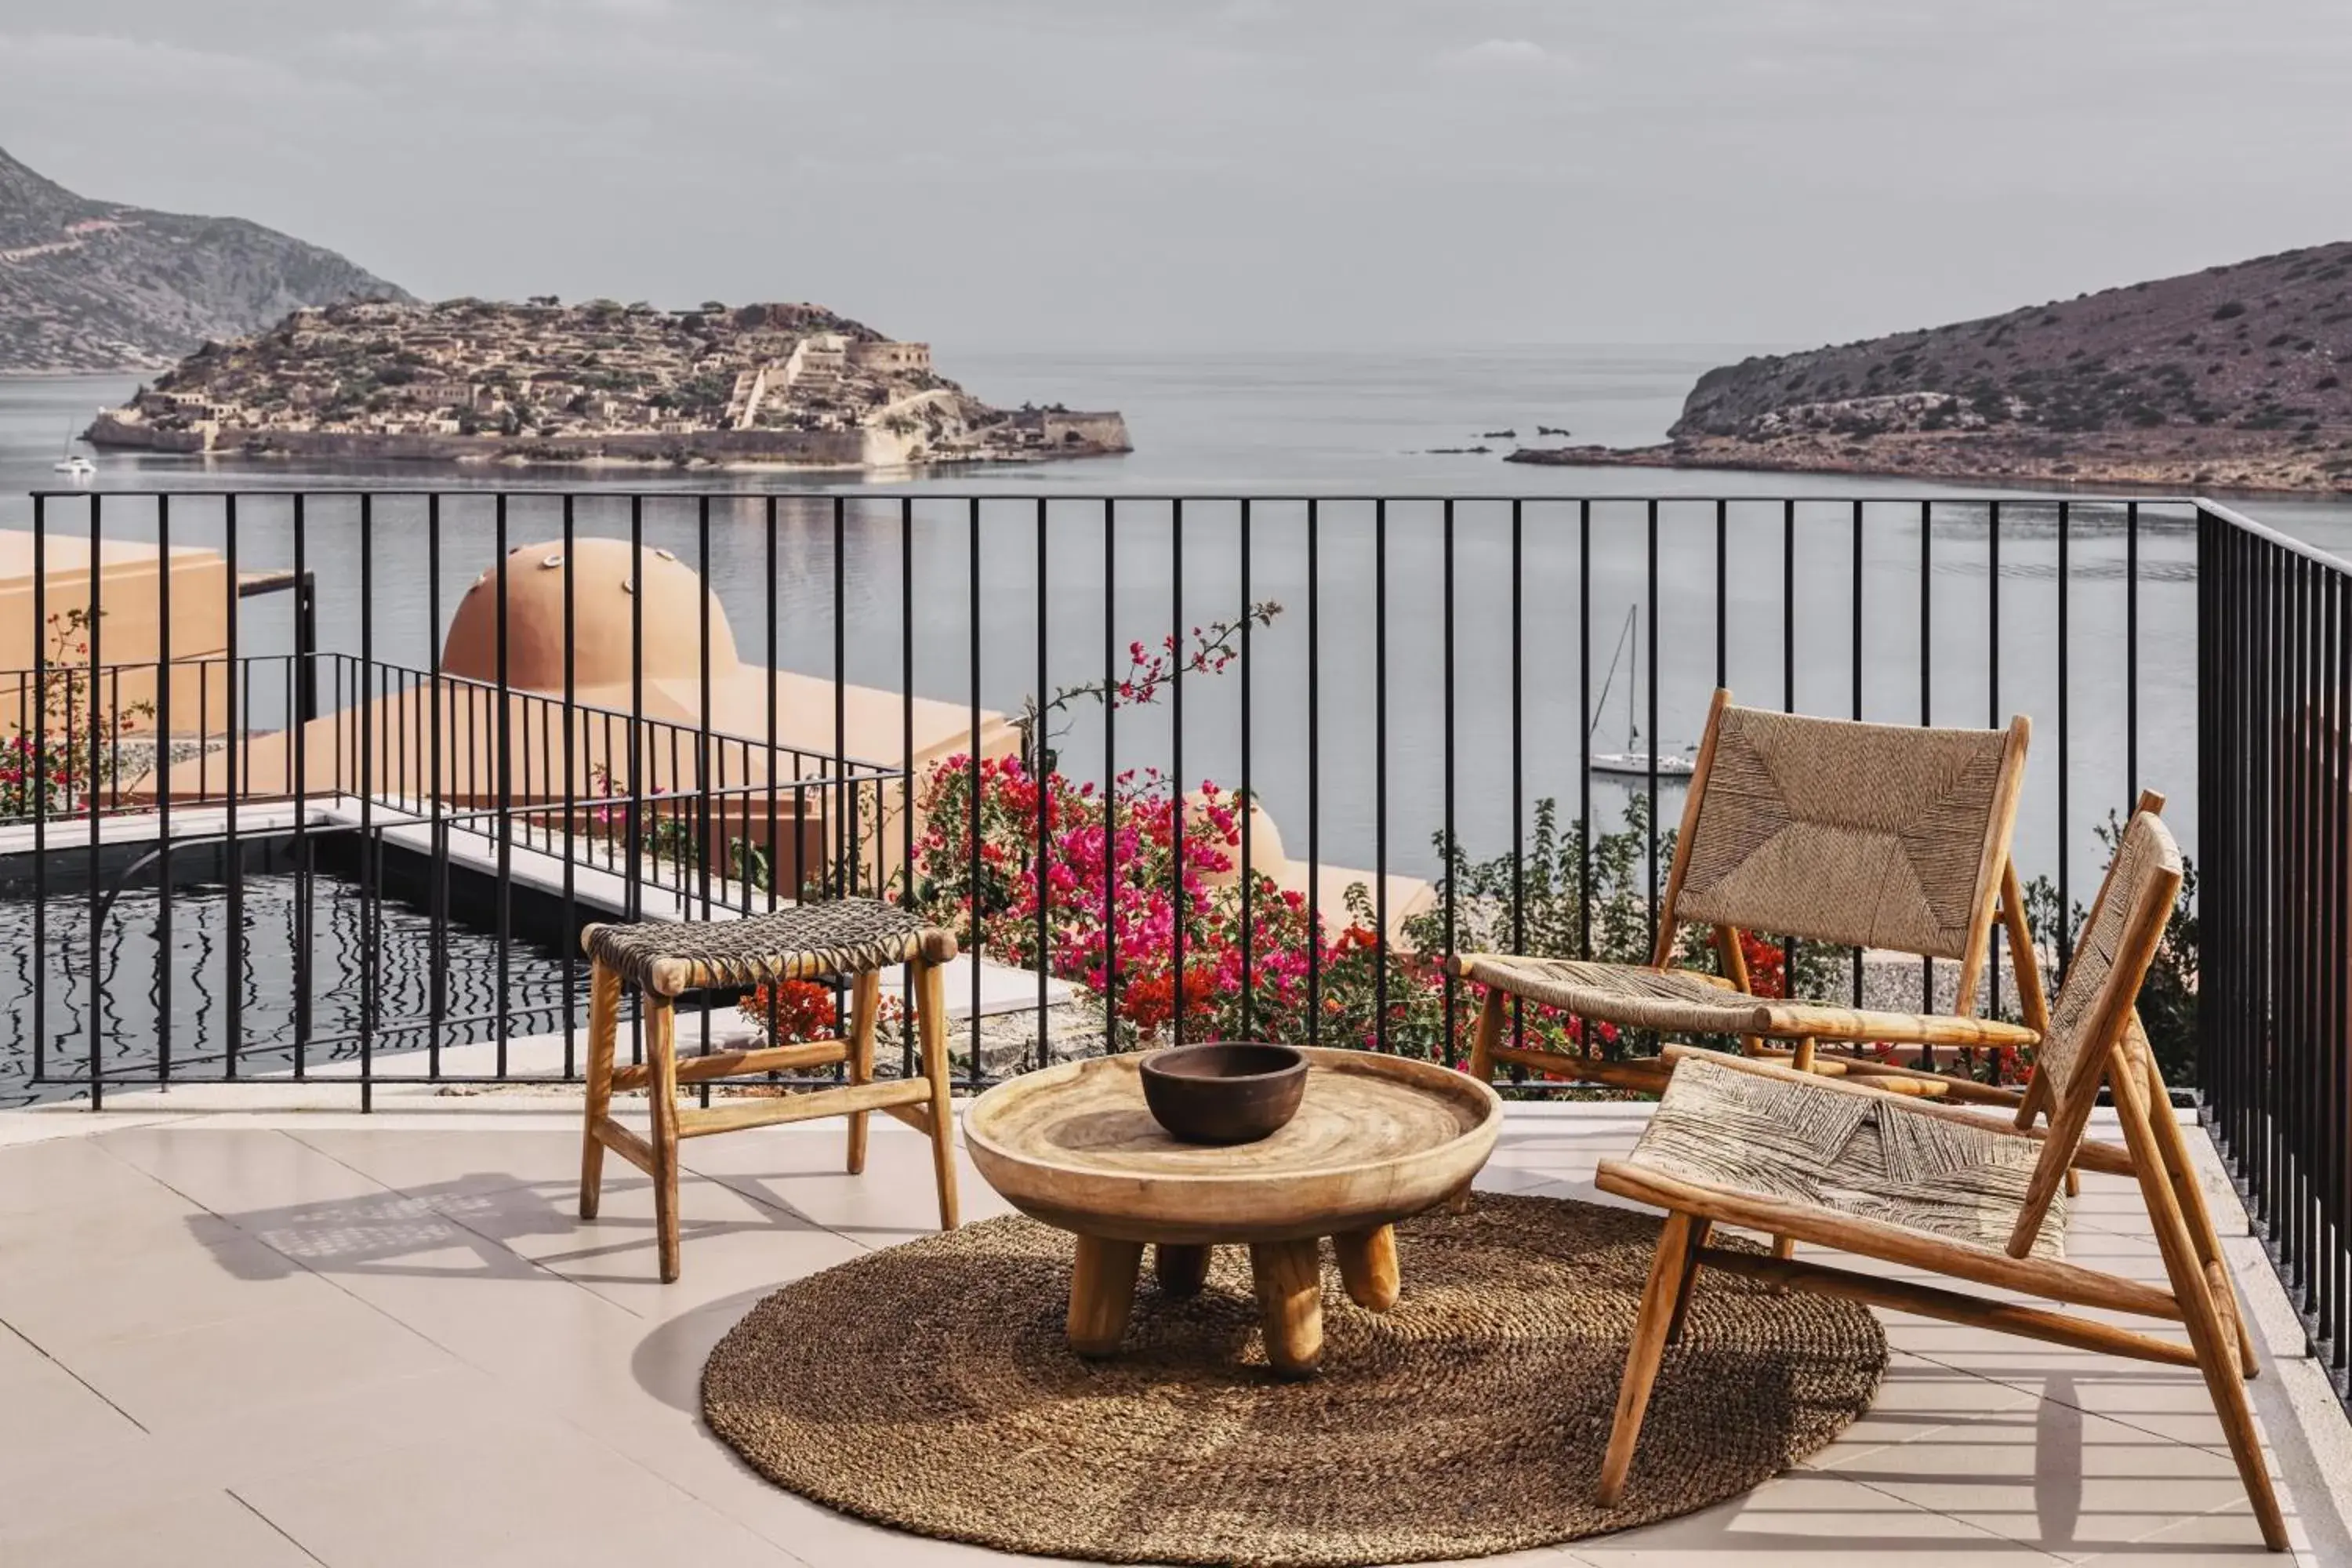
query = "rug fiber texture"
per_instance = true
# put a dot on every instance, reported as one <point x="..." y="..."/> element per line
<point x="929" y="1387"/>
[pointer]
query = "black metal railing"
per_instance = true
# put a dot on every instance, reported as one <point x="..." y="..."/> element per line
<point x="1436" y="698"/>
<point x="2275" y="1075"/>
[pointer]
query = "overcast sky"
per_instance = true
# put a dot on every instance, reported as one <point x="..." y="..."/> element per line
<point x="1159" y="173"/>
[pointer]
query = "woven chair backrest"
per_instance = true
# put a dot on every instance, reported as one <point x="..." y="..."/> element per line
<point x="1854" y="835"/>
<point x="2097" y="1003"/>
<point x="2142" y="881"/>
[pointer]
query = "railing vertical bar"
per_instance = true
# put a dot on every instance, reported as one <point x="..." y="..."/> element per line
<point x="1722" y="604"/>
<point x="1380" y="770"/>
<point x="1584" y="729"/>
<point x="1249" y="799"/>
<point x="37" y="722"/>
<point x="1178" y="902"/>
<point x="163" y="778"/>
<point x="1451" y="858"/>
<point x="567" y="938"/>
<point x="633" y="837"/>
<point x="2338" y="1086"/>
<point x="768" y="724"/>
<point x="1314" y="773"/>
<point x="710" y="839"/>
<point x="1927" y="716"/>
<point x="1110" y="775"/>
<point x="1650" y="640"/>
<point x="2131" y="655"/>
<point x="1518" y="762"/>
<point x="972" y="805"/>
<point x="1041" y="778"/>
<point x="504" y="784"/>
<point x="1996" y="949"/>
<point x="1857" y="686"/>
<point x="305" y="664"/>
<point x="1789" y="685"/>
<point x="371" y="882"/>
<point x="2065" y="899"/>
<point x="906" y="782"/>
<point x="437" y="981"/>
<point x="98" y="726"/>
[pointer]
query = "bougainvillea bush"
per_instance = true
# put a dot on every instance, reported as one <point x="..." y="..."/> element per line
<point x="58" y="765"/>
<point x="1113" y="909"/>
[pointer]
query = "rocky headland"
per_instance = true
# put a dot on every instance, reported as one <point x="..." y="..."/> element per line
<point x="543" y="382"/>
<point x="89" y="285"/>
<point x="2233" y="378"/>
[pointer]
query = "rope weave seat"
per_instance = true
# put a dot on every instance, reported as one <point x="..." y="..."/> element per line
<point x="806" y="942"/>
<point x="1812" y="1142"/>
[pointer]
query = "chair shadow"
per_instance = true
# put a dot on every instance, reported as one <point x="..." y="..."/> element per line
<point x="478" y="1216"/>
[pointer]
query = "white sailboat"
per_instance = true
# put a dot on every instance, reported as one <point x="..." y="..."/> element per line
<point x="1633" y="759"/>
<point x="72" y="462"/>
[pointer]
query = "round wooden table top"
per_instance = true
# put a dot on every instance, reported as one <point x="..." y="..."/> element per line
<point x="1376" y="1138"/>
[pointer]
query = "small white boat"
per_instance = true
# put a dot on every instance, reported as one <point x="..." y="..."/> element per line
<point x="72" y="462"/>
<point x="1673" y="765"/>
<point x="1635" y="760"/>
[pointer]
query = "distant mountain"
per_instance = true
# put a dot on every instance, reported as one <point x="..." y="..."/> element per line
<point x="89" y="285"/>
<point x="2236" y="376"/>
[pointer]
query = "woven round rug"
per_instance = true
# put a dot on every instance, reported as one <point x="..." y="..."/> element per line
<point x="929" y="1387"/>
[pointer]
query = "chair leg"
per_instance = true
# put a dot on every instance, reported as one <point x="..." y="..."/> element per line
<point x="1488" y="1033"/>
<point x="603" y="1018"/>
<point x="2146" y="1122"/>
<point x="1700" y="1229"/>
<point x="1641" y="1359"/>
<point x="864" y="1006"/>
<point x="931" y="1009"/>
<point x="661" y="1054"/>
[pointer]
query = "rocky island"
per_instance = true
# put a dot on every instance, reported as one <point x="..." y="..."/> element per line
<point x="2233" y="378"/>
<point x="542" y="382"/>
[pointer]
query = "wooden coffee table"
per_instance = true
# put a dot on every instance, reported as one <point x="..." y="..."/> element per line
<point x="1376" y="1139"/>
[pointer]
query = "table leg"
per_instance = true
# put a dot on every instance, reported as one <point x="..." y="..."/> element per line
<point x="1182" y="1270"/>
<point x="1290" y="1303"/>
<point x="1102" y="1292"/>
<point x="1367" y="1263"/>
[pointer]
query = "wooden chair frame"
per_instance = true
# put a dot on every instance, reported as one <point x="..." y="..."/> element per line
<point x="2201" y="1295"/>
<point x="923" y="1103"/>
<point x="1797" y="1028"/>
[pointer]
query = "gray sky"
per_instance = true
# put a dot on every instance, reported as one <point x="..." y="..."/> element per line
<point x="1158" y="173"/>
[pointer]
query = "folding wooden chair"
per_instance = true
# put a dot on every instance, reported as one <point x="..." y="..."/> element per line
<point x="1825" y="830"/>
<point x="1758" y="1144"/>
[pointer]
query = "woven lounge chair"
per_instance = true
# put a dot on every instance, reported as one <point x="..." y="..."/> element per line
<point x="1829" y="831"/>
<point x="1936" y="1188"/>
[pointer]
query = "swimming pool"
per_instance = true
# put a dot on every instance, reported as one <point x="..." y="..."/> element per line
<point x="141" y="976"/>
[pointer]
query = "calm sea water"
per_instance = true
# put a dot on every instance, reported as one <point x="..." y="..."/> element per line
<point x="1337" y="424"/>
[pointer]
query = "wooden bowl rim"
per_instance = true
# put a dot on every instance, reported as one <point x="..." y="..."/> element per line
<point x="1151" y="1064"/>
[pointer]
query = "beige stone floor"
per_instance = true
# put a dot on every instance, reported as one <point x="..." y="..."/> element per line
<point x="255" y="1339"/>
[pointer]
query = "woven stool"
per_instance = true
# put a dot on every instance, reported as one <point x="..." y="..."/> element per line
<point x="854" y="939"/>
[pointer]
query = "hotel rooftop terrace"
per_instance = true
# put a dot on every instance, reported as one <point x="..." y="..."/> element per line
<point x="292" y="1266"/>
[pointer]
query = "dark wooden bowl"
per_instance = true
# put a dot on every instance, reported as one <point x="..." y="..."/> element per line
<point x="1225" y="1091"/>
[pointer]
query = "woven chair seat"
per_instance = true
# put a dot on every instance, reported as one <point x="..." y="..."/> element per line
<point x="1681" y="1001"/>
<point x="806" y="942"/>
<point x="1863" y="1156"/>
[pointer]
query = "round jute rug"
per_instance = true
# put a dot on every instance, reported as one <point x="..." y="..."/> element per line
<point x="929" y="1387"/>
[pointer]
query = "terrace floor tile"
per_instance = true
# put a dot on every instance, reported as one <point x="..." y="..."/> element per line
<point x="318" y="1338"/>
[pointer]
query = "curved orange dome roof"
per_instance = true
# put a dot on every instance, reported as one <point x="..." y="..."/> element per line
<point x="602" y="610"/>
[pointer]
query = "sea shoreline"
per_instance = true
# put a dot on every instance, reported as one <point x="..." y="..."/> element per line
<point x="2074" y="469"/>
